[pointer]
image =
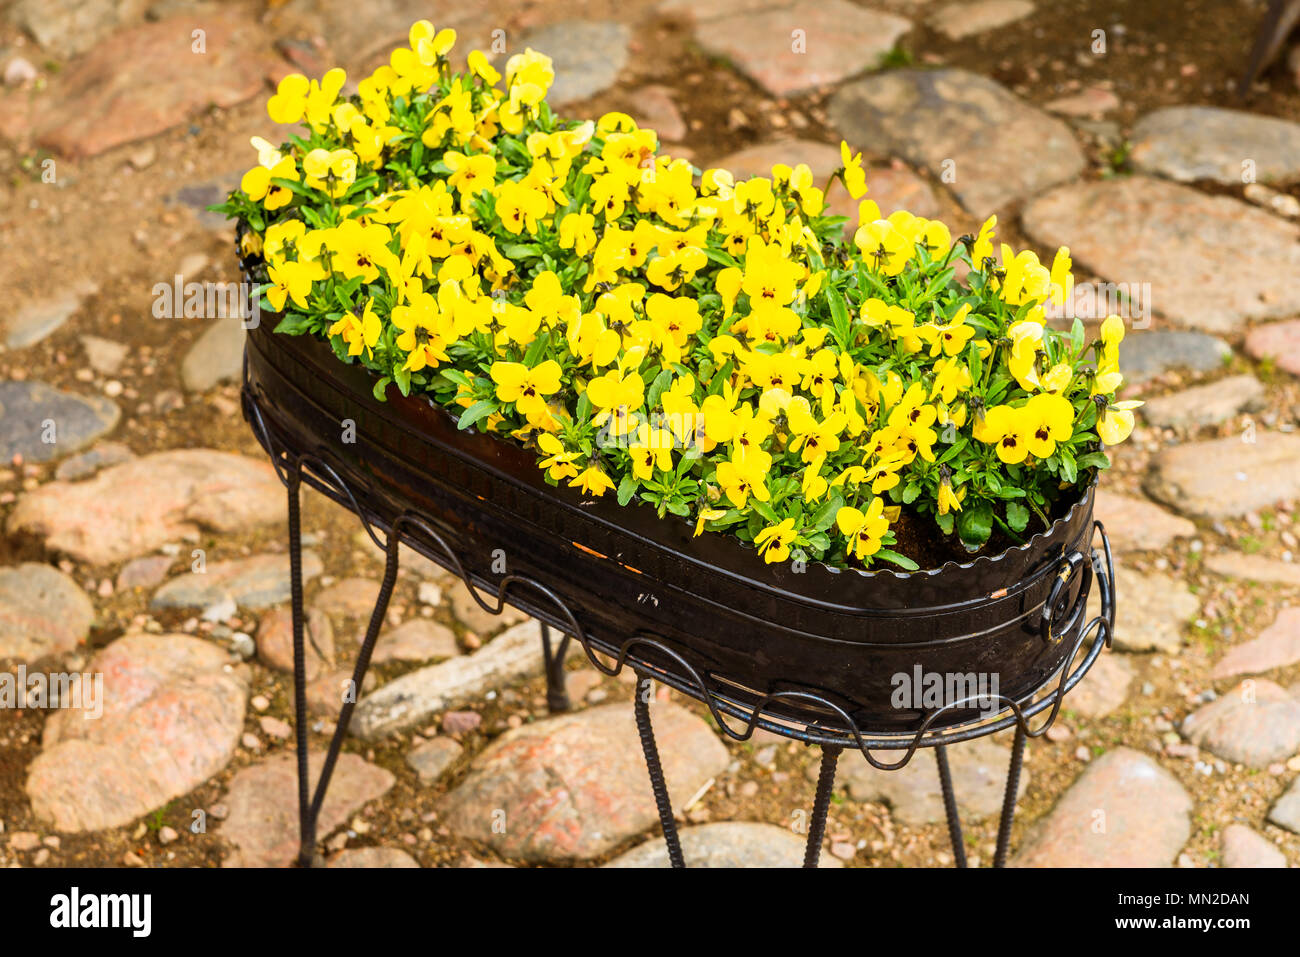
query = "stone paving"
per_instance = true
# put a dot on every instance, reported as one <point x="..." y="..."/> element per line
<point x="145" y="541"/>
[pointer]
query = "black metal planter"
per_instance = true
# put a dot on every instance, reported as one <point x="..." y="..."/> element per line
<point x="814" y="655"/>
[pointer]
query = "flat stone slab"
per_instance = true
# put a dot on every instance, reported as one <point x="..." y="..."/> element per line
<point x="587" y="56"/>
<point x="1104" y="689"/>
<point x="1151" y="610"/>
<point x="803" y="45"/>
<point x="172" y="714"/>
<point x="961" y="20"/>
<point x="1189" y="143"/>
<point x="253" y="583"/>
<point x="1228" y="477"/>
<point x="1278" y="342"/>
<point x="1255" y="724"/>
<point x="726" y="844"/>
<point x="979" y="775"/>
<point x="141" y="81"/>
<point x="41" y="423"/>
<point x="575" y="786"/>
<point x="132" y="509"/>
<point x="1254" y="568"/>
<point x="217" y="356"/>
<point x="275" y="641"/>
<point x="991" y="148"/>
<point x="477" y="619"/>
<point x="348" y="598"/>
<point x="1209" y="404"/>
<point x="370" y="857"/>
<point x="40" y="318"/>
<point x="262" y="827"/>
<point x="1242" y="847"/>
<point x="1276" y="647"/>
<point x="1135" y="229"/>
<point x="1133" y="524"/>
<point x="415" y="697"/>
<point x="42" y="612"/>
<point x="1145" y="355"/>
<point x="1124" y="810"/>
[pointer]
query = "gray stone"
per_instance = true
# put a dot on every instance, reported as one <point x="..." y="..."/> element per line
<point x="1243" y="847"/>
<point x="172" y="713"/>
<point x="1209" y="404"/>
<point x="1134" y="229"/>
<point x="92" y="460"/>
<point x="726" y="844"/>
<point x="68" y="27"/>
<point x="966" y="19"/>
<point x="979" y="774"/>
<point x="1256" y="724"/>
<point x="104" y="355"/>
<point x="41" y="423"/>
<point x="803" y="45"/>
<point x="370" y="857"/>
<point x="1228" y="477"/>
<point x="1189" y="143"/>
<point x="1123" y="811"/>
<point x="1151" y="610"/>
<point x="1134" y="524"/>
<point x="257" y="582"/>
<point x="144" y="572"/>
<point x="414" y="698"/>
<point x="1276" y="647"/>
<point x="197" y="197"/>
<point x="993" y="148"/>
<point x="36" y="320"/>
<point x="1145" y="355"/>
<point x="432" y="759"/>
<point x="263" y="799"/>
<point x="134" y="508"/>
<point x="217" y="356"/>
<point x="586" y="55"/>
<point x="42" y="612"/>
<point x="1286" y="812"/>
<point x="571" y="788"/>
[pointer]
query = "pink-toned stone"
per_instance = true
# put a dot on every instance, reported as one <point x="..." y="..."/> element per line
<point x="653" y="107"/>
<point x="259" y="581"/>
<point x="145" y="572"/>
<point x="1134" y="523"/>
<point x="1134" y="229"/>
<point x="349" y="598"/>
<point x="1090" y="101"/>
<point x="1228" y="477"/>
<point x="571" y="788"/>
<point x="808" y="44"/>
<point x="460" y="722"/>
<point x="1103" y="689"/>
<point x="1123" y="811"/>
<point x="370" y="857"/>
<point x="1243" y="847"/>
<point x="1279" y="342"/>
<point x="971" y="17"/>
<point x="473" y="616"/>
<point x="133" y="508"/>
<point x="1276" y="647"/>
<point x="263" y="824"/>
<point x="172" y="716"/>
<point x="275" y="641"/>
<point x="1256" y="723"/>
<point x="419" y="639"/>
<point x="1254" y="568"/>
<point x="144" y="80"/>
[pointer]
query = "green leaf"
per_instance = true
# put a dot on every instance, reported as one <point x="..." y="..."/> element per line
<point x="380" y="390"/>
<point x="1017" y="516"/>
<point x="521" y="250"/>
<point x="765" y="510"/>
<point x="627" y="488"/>
<point x="910" y="492"/>
<point x="975" y="524"/>
<point x="945" y="522"/>
<point x="889" y="555"/>
<point x="475" y="412"/>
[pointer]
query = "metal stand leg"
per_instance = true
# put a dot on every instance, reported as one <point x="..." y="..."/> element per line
<point x="308" y="813"/>
<point x="557" y="698"/>
<point x="1009" y="798"/>
<point x="644" y="688"/>
<point x="821" y="805"/>
<point x="950" y="806"/>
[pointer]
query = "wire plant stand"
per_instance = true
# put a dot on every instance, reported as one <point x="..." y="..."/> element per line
<point x="653" y="660"/>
